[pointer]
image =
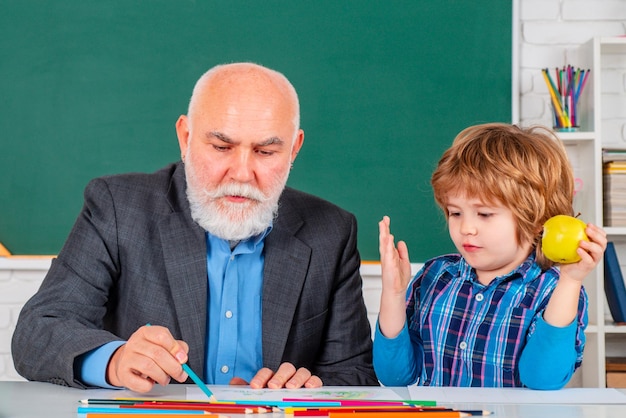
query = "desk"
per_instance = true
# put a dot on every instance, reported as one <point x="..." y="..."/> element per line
<point x="45" y="400"/>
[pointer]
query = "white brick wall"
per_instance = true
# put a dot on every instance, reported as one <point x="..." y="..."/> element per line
<point x="20" y="278"/>
<point x="550" y="33"/>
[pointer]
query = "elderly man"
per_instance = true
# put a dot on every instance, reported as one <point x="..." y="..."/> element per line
<point x="246" y="280"/>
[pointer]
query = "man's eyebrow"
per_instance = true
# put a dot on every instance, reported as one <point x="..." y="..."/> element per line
<point x="221" y="137"/>
<point x="274" y="140"/>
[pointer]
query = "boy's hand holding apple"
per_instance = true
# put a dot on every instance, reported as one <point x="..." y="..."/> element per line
<point x="576" y="246"/>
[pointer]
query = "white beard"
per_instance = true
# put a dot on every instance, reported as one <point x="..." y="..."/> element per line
<point x="227" y="220"/>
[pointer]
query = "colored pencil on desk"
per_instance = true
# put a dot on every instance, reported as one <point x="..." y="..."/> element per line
<point x="365" y="402"/>
<point x="203" y="387"/>
<point x="195" y="404"/>
<point x="325" y="412"/>
<point x="165" y="404"/>
<point x="107" y="402"/>
<point x="344" y="402"/>
<point x="322" y="410"/>
<point x="233" y="409"/>
<point x="133" y="415"/>
<point x="417" y="414"/>
<point x="132" y="401"/>
<point x="199" y="383"/>
<point x="417" y="402"/>
<point x="136" y="411"/>
<point x="287" y="404"/>
<point x="472" y="412"/>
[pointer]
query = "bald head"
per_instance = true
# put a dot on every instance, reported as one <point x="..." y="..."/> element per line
<point x="238" y="141"/>
<point x="245" y="80"/>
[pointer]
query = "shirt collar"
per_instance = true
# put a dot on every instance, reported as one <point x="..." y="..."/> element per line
<point x="527" y="271"/>
<point x="247" y="245"/>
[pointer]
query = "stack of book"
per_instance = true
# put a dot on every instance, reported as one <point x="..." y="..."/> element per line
<point x="614" y="286"/>
<point x="614" y="187"/>
<point x="616" y="372"/>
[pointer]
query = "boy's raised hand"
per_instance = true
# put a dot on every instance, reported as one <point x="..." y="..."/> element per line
<point x="396" y="274"/>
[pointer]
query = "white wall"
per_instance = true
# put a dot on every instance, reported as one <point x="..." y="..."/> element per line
<point x="19" y="280"/>
<point x="549" y="33"/>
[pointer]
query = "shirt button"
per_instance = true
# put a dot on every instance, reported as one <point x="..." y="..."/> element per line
<point x="479" y="297"/>
<point x="228" y="314"/>
<point x="463" y="345"/>
<point x="224" y="369"/>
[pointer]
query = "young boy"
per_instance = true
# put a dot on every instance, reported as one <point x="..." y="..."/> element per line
<point x="498" y="313"/>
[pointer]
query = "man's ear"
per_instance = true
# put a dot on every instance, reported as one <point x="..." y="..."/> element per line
<point x="182" y="132"/>
<point x="297" y="145"/>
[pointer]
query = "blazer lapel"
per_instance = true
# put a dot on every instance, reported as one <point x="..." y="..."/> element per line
<point x="184" y="255"/>
<point x="286" y="261"/>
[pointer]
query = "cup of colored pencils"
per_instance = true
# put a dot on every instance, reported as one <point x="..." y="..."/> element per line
<point x="565" y="90"/>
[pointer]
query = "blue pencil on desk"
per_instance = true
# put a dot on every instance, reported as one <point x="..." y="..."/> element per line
<point x="199" y="383"/>
<point x="137" y="411"/>
<point x="197" y="380"/>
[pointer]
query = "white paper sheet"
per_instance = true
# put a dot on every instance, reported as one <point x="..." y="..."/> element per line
<point x="223" y="393"/>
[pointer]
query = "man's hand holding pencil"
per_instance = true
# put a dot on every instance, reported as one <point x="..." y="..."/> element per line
<point x="151" y="355"/>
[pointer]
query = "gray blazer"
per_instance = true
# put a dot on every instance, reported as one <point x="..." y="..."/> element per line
<point x="135" y="256"/>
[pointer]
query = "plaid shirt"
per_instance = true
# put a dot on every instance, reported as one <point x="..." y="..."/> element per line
<point x="469" y="334"/>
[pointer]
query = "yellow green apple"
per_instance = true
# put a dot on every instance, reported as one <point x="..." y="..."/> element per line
<point x="561" y="235"/>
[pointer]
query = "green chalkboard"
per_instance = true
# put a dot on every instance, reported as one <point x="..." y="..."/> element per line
<point x="89" y="88"/>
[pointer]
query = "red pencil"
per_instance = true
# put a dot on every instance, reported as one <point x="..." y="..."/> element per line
<point x="233" y="409"/>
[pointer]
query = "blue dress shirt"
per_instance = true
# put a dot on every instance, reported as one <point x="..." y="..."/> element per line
<point x="234" y="314"/>
<point x="235" y="280"/>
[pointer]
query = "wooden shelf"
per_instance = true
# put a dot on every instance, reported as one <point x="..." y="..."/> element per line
<point x="585" y="151"/>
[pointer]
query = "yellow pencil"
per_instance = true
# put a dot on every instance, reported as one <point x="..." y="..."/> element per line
<point x="564" y="119"/>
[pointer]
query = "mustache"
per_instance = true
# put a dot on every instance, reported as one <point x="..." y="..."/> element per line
<point x="236" y="189"/>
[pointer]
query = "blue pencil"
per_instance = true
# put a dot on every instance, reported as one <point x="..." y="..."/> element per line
<point x="197" y="380"/>
<point x="144" y="411"/>
<point x="285" y="404"/>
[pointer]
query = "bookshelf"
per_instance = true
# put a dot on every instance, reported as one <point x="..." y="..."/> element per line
<point x="602" y="127"/>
